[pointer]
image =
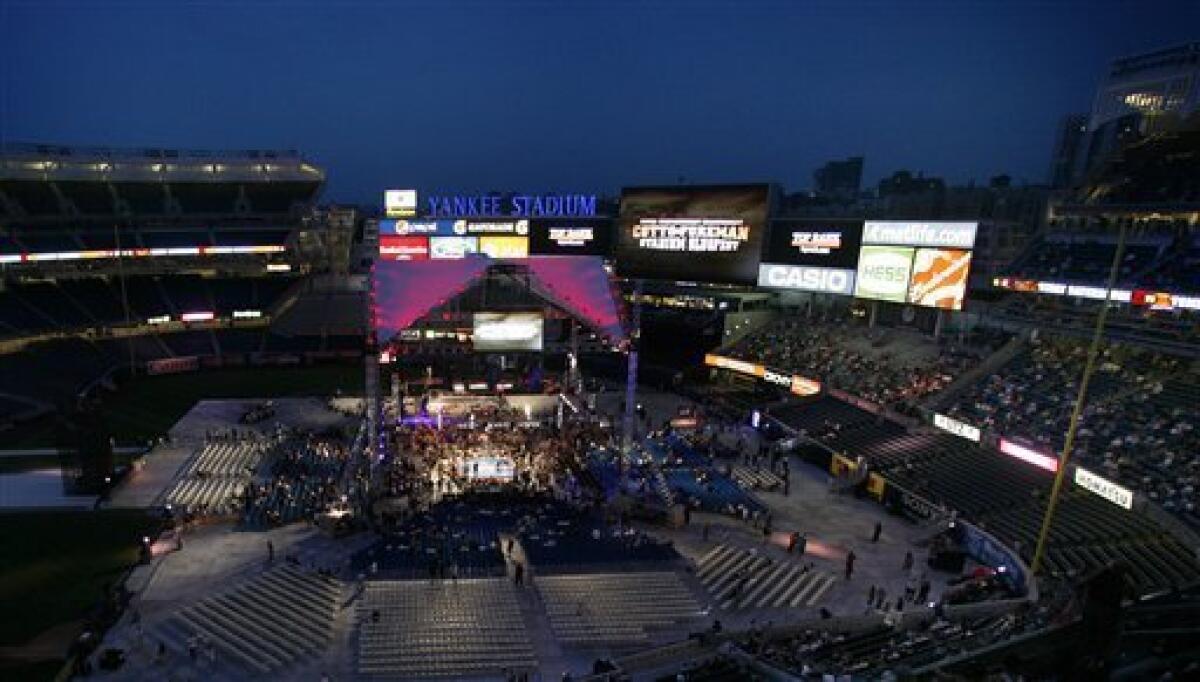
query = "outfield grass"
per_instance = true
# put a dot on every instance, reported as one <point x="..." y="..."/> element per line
<point x="54" y="565"/>
<point x="146" y="407"/>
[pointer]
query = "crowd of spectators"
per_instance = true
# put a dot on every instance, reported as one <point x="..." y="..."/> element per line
<point x="837" y="355"/>
<point x="305" y="478"/>
<point x="1137" y="426"/>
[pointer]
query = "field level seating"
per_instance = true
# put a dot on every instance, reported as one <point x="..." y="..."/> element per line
<point x="768" y="583"/>
<point x="614" y="608"/>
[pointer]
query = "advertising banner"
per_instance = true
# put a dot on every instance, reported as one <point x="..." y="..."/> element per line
<point x="697" y="234"/>
<point x="815" y="243"/>
<point x="956" y="427"/>
<point x="400" y="203"/>
<point x="806" y="278"/>
<point x="403" y="248"/>
<point x="570" y="237"/>
<point x="939" y="278"/>
<point x="883" y="273"/>
<point x="1122" y="497"/>
<point x="504" y="246"/>
<point x="452" y="247"/>
<point x="932" y="234"/>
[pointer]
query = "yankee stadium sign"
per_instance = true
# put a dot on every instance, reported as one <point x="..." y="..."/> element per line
<point x="517" y="205"/>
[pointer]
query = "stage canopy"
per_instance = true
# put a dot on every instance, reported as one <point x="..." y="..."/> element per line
<point x="406" y="291"/>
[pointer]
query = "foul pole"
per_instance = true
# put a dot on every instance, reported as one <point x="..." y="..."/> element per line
<point x="1088" y="369"/>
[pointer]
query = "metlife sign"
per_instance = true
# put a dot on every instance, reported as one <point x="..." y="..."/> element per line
<point x="1122" y="497"/>
<point x="806" y="278"/>
<point x="936" y="234"/>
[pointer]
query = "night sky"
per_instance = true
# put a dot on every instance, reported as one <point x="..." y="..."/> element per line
<point x="561" y="95"/>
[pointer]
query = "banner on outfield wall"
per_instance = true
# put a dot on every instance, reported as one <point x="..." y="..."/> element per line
<point x="1122" y="497"/>
<point x="794" y="383"/>
<point x="189" y="363"/>
<point x="956" y="427"/>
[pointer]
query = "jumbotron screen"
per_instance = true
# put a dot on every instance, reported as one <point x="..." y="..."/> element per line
<point x="697" y="234"/>
<point x="507" y="332"/>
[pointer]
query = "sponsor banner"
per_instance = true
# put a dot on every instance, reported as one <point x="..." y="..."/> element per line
<point x="1098" y="293"/>
<point x="1122" y="497"/>
<point x="403" y="248"/>
<point x="806" y="278"/>
<point x="417" y="227"/>
<point x="824" y="244"/>
<point x="796" y="384"/>
<point x="482" y="227"/>
<point x="948" y="235"/>
<point x="956" y="427"/>
<point x="570" y="237"/>
<point x="400" y="203"/>
<point x="517" y="205"/>
<point x="734" y="365"/>
<point x="504" y="247"/>
<point x="441" y="248"/>
<point x="695" y="234"/>
<point x="883" y="273"/>
<point x="939" y="278"/>
<point x="1056" y="288"/>
<point x="189" y="363"/>
<point x="1027" y="454"/>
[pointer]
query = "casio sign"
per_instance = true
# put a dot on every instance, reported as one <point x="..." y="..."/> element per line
<point x="826" y="280"/>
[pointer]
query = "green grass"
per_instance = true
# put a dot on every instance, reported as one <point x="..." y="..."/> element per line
<point x="54" y="565"/>
<point x="147" y="407"/>
<point x="42" y="671"/>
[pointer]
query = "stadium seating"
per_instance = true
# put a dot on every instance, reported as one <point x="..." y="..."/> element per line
<point x="1137" y="426"/>
<point x="1004" y="496"/>
<point x="263" y="626"/>
<point x="886" y="367"/>
<point x="462" y="629"/>
<point x="611" y="609"/>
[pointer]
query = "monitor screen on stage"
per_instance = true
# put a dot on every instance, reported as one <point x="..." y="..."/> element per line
<point x="696" y="234"/>
<point x="507" y="331"/>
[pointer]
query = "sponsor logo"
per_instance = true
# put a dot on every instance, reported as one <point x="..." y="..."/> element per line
<point x="956" y="427"/>
<point x="819" y="243"/>
<point x="1122" y="497"/>
<point x="806" y="278"/>
<point x="883" y="273"/>
<point x="936" y="234"/>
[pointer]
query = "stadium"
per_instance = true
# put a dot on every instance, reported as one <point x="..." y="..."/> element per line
<point x="703" y="430"/>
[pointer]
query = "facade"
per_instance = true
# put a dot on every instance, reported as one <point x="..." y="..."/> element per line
<point x="839" y="179"/>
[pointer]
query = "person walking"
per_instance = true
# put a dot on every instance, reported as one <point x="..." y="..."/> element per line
<point x="908" y="560"/>
<point x="850" y="559"/>
<point x="875" y="534"/>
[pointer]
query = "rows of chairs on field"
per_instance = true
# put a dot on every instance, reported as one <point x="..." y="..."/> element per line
<point x="264" y="625"/>
<point x="744" y="579"/>
<point x="422" y="629"/>
<point x="615" y="609"/>
<point x="215" y="480"/>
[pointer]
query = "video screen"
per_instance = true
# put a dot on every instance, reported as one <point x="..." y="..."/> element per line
<point x="816" y="243"/>
<point x="883" y="273"/>
<point x="570" y="237"/>
<point x="507" y="331"/>
<point x="939" y="278"/>
<point x="698" y="234"/>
